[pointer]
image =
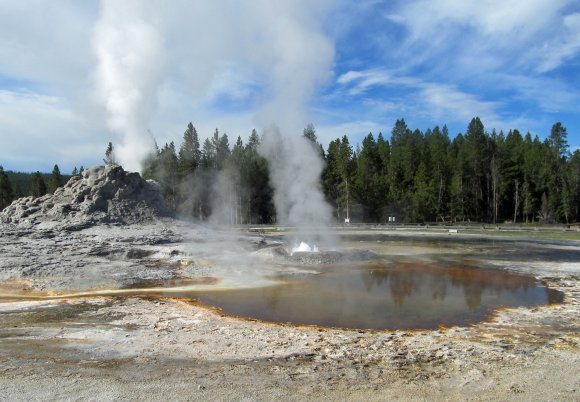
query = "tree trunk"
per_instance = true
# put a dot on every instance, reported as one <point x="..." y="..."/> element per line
<point x="440" y="197"/>
<point x="347" y="204"/>
<point x="516" y="199"/>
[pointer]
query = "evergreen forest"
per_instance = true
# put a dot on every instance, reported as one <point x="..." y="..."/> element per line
<point x="412" y="177"/>
<point x="14" y="185"/>
<point x="422" y="177"/>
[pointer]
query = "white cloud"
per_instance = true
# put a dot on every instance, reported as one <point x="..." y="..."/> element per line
<point x="42" y="130"/>
<point x="442" y="101"/>
<point x="484" y="35"/>
<point x="356" y="130"/>
<point x="273" y="57"/>
<point x="274" y="54"/>
<point x="360" y="81"/>
<point x="419" y="100"/>
<point x="562" y="48"/>
<point x="550" y="95"/>
<point x="364" y="80"/>
<point x="492" y="18"/>
<point x="432" y="100"/>
<point x="46" y="42"/>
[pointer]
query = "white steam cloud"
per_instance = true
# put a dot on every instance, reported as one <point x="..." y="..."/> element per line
<point x="295" y="168"/>
<point x="300" y="66"/>
<point x="279" y="49"/>
<point x="129" y="53"/>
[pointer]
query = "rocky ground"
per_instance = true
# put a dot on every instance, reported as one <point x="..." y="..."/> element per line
<point x="138" y="347"/>
<point x="149" y="348"/>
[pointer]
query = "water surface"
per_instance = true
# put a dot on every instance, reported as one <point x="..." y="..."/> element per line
<point x="385" y="296"/>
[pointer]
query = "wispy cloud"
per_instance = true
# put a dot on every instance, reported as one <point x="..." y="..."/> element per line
<point x="359" y="82"/>
<point x="362" y="80"/>
<point x="442" y="101"/>
<point x="547" y="94"/>
<point x="535" y="34"/>
<point x="564" y="47"/>
<point x="435" y="101"/>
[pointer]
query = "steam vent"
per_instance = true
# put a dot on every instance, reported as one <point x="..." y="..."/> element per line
<point x="102" y="194"/>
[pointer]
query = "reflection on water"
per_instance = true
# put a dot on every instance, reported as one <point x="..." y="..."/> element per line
<point x="403" y="296"/>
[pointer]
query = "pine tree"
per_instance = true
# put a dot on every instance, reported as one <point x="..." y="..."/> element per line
<point x="162" y="166"/>
<point x="208" y="153"/>
<point x="558" y="145"/>
<point x="256" y="177"/>
<point x="110" y="155"/>
<point x="346" y="168"/>
<point x="511" y="165"/>
<point x="406" y="154"/>
<point x="527" y="202"/>
<point x="477" y="163"/>
<point x="437" y="149"/>
<point x="574" y="182"/>
<point x="559" y="140"/>
<point x="6" y="192"/>
<point x="189" y="152"/>
<point x="75" y="172"/>
<point x="55" y="180"/>
<point x="423" y="197"/>
<point x="458" y="194"/>
<point x="532" y="169"/>
<point x="222" y="151"/>
<point x="168" y="172"/>
<point x="367" y="187"/>
<point x="150" y="164"/>
<point x="253" y="141"/>
<point x="37" y="185"/>
<point x="309" y="133"/>
<point x="331" y="178"/>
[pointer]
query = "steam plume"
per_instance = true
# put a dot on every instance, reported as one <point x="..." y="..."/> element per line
<point x="129" y="53"/>
<point x="295" y="168"/>
<point x="302" y="64"/>
<point x="280" y="45"/>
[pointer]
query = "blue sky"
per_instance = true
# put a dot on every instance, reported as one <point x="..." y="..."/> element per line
<point x="76" y="75"/>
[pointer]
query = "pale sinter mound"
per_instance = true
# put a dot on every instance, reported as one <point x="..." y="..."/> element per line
<point x="102" y="194"/>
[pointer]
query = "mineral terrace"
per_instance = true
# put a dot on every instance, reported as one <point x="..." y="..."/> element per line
<point x="109" y="231"/>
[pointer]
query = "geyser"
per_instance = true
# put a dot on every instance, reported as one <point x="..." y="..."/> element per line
<point x="305" y="248"/>
<point x="128" y="48"/>
<point x="295" y="168"/>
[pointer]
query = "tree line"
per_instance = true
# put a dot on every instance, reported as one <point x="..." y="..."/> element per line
<point x="478" y="176"/>
<point x="415" y="177"/>
<point x="35" y="184"/>
<point x="230" y="184"/>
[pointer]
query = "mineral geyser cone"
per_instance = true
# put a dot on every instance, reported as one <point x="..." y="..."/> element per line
<point x="102" y="194"/>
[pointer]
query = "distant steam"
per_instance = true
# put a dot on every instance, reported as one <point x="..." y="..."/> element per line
<point x="295" y="168"/>
<point x="129" y="54"/>
<point x="302" y="61"/>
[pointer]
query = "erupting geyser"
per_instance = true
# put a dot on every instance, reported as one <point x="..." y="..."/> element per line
<point x="305" y="248"/>
<point x="295" y="169"/>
